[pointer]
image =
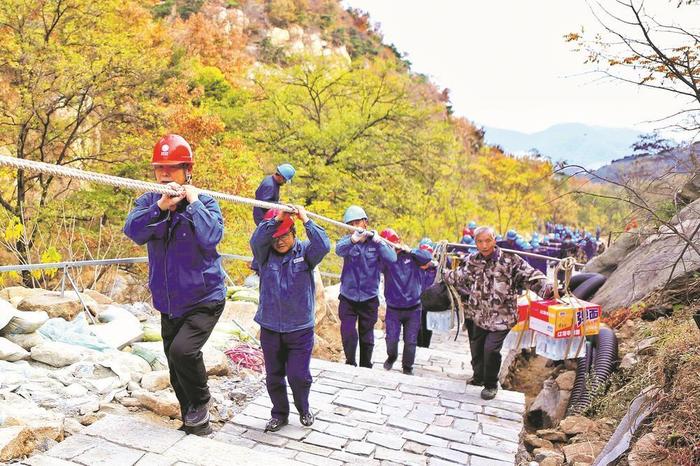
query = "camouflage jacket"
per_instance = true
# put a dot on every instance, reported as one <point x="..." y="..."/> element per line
<point x="489" y="287"/>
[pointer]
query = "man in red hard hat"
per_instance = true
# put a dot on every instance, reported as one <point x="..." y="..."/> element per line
<point x="185" y="275"/>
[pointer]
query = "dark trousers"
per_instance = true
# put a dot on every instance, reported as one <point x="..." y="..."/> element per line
<point x="287" y="354"/>
<point x="409" y="320"/>
<point x="358" y="317"/>
<point x="424" y="335"/>
<point x="486" y="353"/>
<point x="183" y="339"/>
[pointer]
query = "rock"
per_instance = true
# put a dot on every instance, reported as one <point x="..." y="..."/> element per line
<point x="552" y="435"/>
<point x="26" y="322"/>
<point x="646" y="346"/>
<point x="552" y="461"/>
<point x="15" y="294"/>
<point x="26" y="340"/>
<point x="152" y="353"/>
<point x="91" y="418"/>
<point x="215" y="361"/>
<point x="533" y="441"/>
<point x="163" y="403"/>
<point x="629" y="360"/>
<point x="75" y="390"/>
<point x="56" y="354"/>
<point x="15" y="442"/>
<point x="585" y="452"/>
<point x="156" y="380"/>
<point x="573" y="425"/>
<point x="690" y="191"/>
<point x="89" y="407"/>
<point x="545" y="410"/>
<point x="72" y="426"/>
<point x="7" y="312"/>
<point x="627" y="330"/>
<point x="128" y="366"/>
<point x="11" y="352"/>
<point x="111" y="312"/>
<point x="565" y="380"/>
<point x="278" y="37"/>
<point x="608" y="262"/>
<point x="43" y="423"/>
<point x="541" y="453"/>
<point x="119" y="332"/>
<point x="243" y="313"/>
<point x="98" y="297"/>
<point x="646" y="451"/>
<point x="66" y="307"/>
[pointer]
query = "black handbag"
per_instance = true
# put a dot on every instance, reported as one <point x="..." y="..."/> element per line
<point x="436" y="298"/>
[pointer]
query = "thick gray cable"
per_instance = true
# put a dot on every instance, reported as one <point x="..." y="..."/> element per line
<point x="144" y="186"/>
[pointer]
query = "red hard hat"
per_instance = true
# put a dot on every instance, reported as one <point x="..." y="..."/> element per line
<point x="172" y="150"/>
<point x="390" y="235"/>
<point x="283" y="227"/>
<point x="427" y="247"/>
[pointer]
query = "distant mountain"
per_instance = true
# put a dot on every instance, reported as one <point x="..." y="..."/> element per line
<point x="589" y="146"/>
<point x="681" y="160"/>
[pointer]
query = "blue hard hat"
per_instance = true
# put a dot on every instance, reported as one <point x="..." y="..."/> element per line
<point x="511" y="234"/>
<point x="287" y="171"/>
<point x="499" y="238"/>
<point x="535" y="243"/>
<point x="467" y="239"/>
<point x="422" y="256"/>
<point x="472" y="224"/>
<point x="354" y="212"/>
<point x="425" y="240"/>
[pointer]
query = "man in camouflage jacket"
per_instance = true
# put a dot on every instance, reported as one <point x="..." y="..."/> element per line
<point x="489" y="284"/>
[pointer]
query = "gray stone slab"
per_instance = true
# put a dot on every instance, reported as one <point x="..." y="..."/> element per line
<point x="398" y="403"/>
<point x="334" y="418"/>
<point x="372" y="418"/>
<point x="512" y="407"/>
<point x="134" y="433"/>
<point x="349" y="458"/>
<point x="153" y="459"/>
<point x="480" y="461"/>
<point x="232" y="429"/>
<point x="316" y="398"/>
<point x="325" y="440"/>
<point x="351" y="433"/>
<point x="360" y="448"/>
<point x="355" y="404"/>
<point x="476" y="450"/>
<point x="486" y="419"/>
<point x="235" y="439"/>
<point x="344" y="376"/>
<point x="504" y="433"/>
<point x="322" y="388"/>
<point x="399" y="457"/>
<point x="406" y="423"/>
<point x="449" y="403"/>
<point x="422" y="400"/>
<point x="207" y="452"/>
<point x="274" y="452"/>
<point x="393" y="442"/>
<point x="444" y="421"/>
<point x="503" y="414"/>
<point x="308" y="448"/>
<point x="293" y="432"/>
<point x="341" y="384"/>
<point x="363" y="395"/>
<point x="487" y="441"/>
<point x="447" y="433"/>
<point x="108" y="454"/>
<point x="249" y="422"/>
<point x="413" y="390"/>
<point x="422" y="416"/>
<point x="319" y="425"/>
<point x="425" y="439"/>
<point x="379" y="382"/>
<point x="465" y="425"/>
<point x="263" y="437"/>
<point x="431" y="408"/>
<point x="43" y="460"/>
<point x="393" y="411"/>
<point x="468" y="411"/>
<point x="434" y="461"/>
<point x="260" y="412"/>
<point x="448" y="454"/>
<point x="308" y="458"/>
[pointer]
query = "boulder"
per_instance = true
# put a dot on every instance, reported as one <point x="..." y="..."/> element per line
<point x="607" y="262"/>
<point x="26" y="340"/>
<point x="127" y="366"/>
<point x="243" y="313"/>
<point x="98" y="297"/>
<point x="646" y="346"/>
<point x="278" y="37"/>
<point x="156" y="381"/>
<point x="163" y="403"/>
<point x="25" y="322"/>
<point x="690" y="191"/>
<point x="646" y="451"/>
<point x="584" y="452"/>
<point x="533" y="441"/>
<point x="15" y="442"/>
<point x="629" y="360"/>
<point x="119" y="332"/>
<point x="65" y="307"/>
<point x="552" y="435"/>
<point x="11" y="352"/>
<point x="565" y="380"/>
<point x="15" y="294"/>
<point x="110" y="312"/>
<point x="541" y="453"/>
<point x="152" y="353"/>
<point x="42" y="423"/>
<point x="7" y="312"/>
<point x="552" y="461"/>
<point x="215" y="361"/>
<point x="57" y="354"/>
<point x="573" y="425"/>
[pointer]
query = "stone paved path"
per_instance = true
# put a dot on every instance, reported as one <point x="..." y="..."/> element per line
<point x="363" y="416"/>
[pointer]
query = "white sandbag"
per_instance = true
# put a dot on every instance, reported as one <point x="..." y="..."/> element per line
<point x="26" y="322"/>
<point x="7" y="312"/>
<point x="439" y="321"/>
<point x="11" y="352"/>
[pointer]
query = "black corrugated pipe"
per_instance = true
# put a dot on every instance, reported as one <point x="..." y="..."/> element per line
<point x="579" y="278"/>
<point x="588" y="287"/>
<point x="582" y="367"/>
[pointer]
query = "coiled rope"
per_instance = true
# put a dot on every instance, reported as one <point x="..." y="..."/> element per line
<point x="145" y="186"/>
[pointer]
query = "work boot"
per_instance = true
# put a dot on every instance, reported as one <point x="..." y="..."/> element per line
<point x="474" y="381"/>
<point x="197" y="415"/>
<point x="366" y="355"/>
<point x="200" y="431"/>
<point x="408" y="370"/>
<point x="392" y="352"/>
<point x="274" y="424"/>
<point x="488" y="393"/>
<point x="306" y="419"/>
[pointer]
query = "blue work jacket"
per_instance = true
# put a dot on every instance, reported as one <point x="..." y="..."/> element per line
<point x="287" y="289"/>
<point x="428" y="278"/>
<point x="359" y="280"/>
<point x="403" y="281"/>
<point x="268" y="191"/>
<point x="184" y="267"/>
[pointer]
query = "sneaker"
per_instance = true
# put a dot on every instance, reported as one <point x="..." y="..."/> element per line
<point x="200" y="431"/>
<point x="197" y="416"/>
<point x="306" y="419"/>
<point x="488" y="393"/>
<point x="388" y="365"/>
<point x="274" y="424"/>
<point x="408" y="370"/>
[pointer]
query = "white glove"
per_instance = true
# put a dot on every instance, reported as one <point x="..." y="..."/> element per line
<point x="357" y="237"/>
<point x="405" y="248"/>
<point x="375" y="236"/>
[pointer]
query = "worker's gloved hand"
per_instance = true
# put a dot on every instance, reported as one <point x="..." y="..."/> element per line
<point x="547" y="291"/>
<point x="375" y="236"/>
<point x="357" y="237"/>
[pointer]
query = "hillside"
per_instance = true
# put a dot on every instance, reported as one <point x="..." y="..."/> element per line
<point x="575" y="143"/>
<point x="683" y="160"/>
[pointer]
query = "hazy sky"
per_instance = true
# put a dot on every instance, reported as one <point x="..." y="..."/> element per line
<point x="507" y="65"/>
